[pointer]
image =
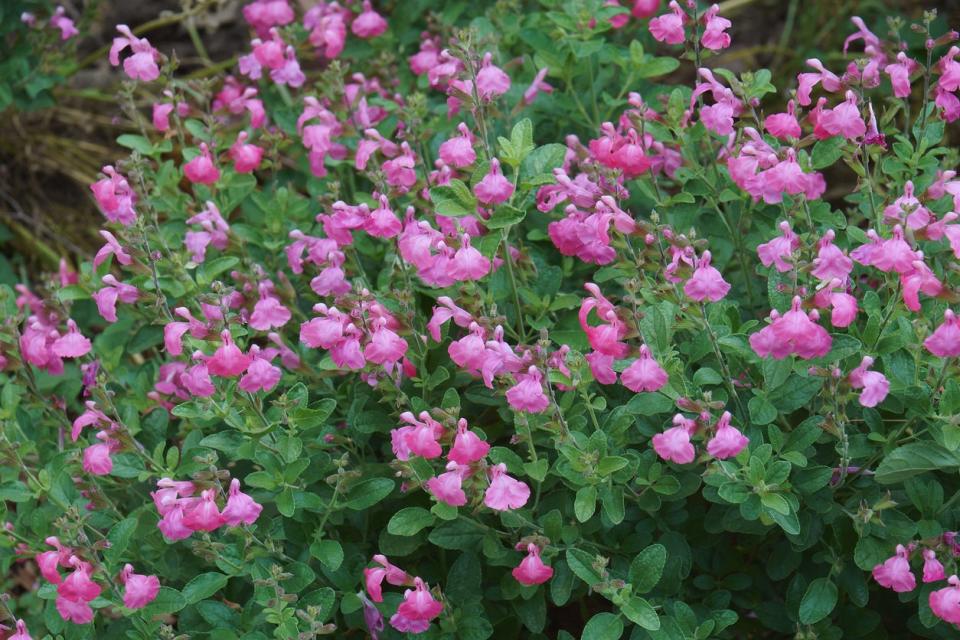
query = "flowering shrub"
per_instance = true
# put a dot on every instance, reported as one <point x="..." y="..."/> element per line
<point x="462" y="324"/>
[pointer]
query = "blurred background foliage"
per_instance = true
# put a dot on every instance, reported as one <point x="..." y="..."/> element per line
<point x="60" y="101"/>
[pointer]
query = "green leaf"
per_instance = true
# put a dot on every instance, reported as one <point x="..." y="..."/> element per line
<point x="285" y="503"/>
<point x="167" y="601"/>
<point x="581" y="563"/>
<point x="647" y="568"/>
<point x="603" y="626"/>
<point x="657" y="67"/>
<point x="913" y="459"/>
<point x="120" y="536"/>
<point x="458" y="534"/>
<point x="505" y="216"/>
<point x="542" y="161"/>
<point x="329" y="552"/>
<point x="409" y="521"/>
<point x="775" y="502"/>
<point x="210" y="269"/>
<point x="453" y="200"/>
<point x="203" y="586"/>
<point x="818" y="601"/>
<point x="642" y="613"/>
<point x="367" y="493"/>
<point x="761" y="410"/>
<point x="585" y="503"/>
<point x="826" y="152"/>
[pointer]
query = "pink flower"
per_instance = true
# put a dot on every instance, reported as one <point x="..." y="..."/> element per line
<point x="674" y="444"/>
<point x="289" y="72"/>
<point x="907" y="209"/>
<point x="706" y="283"/>
<point x="171" y="525"/>
<point x="72" y="344"/>
<point x="467" y="446"/>
<point x="96" y="459"/>
<point x="715" y="36"/>
<point x="601" y="366"/>
<point x="468" y="263"/>
<point x="945" y="602"/>
<point x="895" y="573"/>
<point x="831" y="262"/>
<point x="139" y="590"/>
<point x="240" y="508"/>
<point x="383" y="222"/>
<point x="385" y="346"/>
<point x="246" y="157"/>
<point x="795" y="332"/>
<point x="644" y="373"/>
<point x="899" y="73"/>
<point x="228" y="360"/>
<point x="531" y="570"/>
<point x="447" y="487"/>
<point x="505" y="492"/>
<point x="668" y="27"/>
<point x="727" y="441"/>
<point x="644" y="8"/>
<point x="115" y="291"/>
<point x="418" y="603"/>
<point x="920" y="279"/>
<point x="492" y="81"/>
<point x="537" y="86"/>
<point x="369" y="24"/>
<point x="78" y="586"/>
<point x="807" y="81"/>
<point x="203" y="515"/>
<point x="114" y="197"/>
<point x="269" y="312"/>
<point x="261" y="375"/>
<point x="202" y="170"/>
<point x="944" y="342"/>
<point x="458" y="151"/>
<point x="67" y="28"/>
<point x="22" y="633"/>
<point x="111" y="248"/>
<point x="783" y="125"/>
<point x="75" y="611"/>
<point x="779" y="251"/>
<point x="373" y="577"/>
<point x="527" y="395"/>
<point x="493" y="188"/>
<point x="844" y="119"/>
<point x="142" y="65"/>
<point x="197" y="380"/>
<point x="932" y="568"/>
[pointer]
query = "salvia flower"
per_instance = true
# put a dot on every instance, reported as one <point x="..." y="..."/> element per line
<point x="139" y="590"/>
<point x="932" y="568"/>
<point x="494" y="188"/>
<point x="21" y="632"/>
<point x="874" y="384"/>
<point x="795" y="332"/>
<point x="707" y="282"/>
<point x="505" y="492"/>
<point x="895" y="572"/>
<point x="369" y="24"/>
<point x="945" y="603"/>
<point x="668" y="28"/>
<point x="142" y="65"/>
<point x="715" y="36"/>
<point x="240" y="508"/>
<point x="531" y="570"/>
<point x="944" y="342"/>
<point x="202" y="170"/>
<point x="644" y="374"/>
<point x="492" y="81"/>
<point x="467" y="446"/>
<point x="674" y="444"/>
<point x="727" y="441"/>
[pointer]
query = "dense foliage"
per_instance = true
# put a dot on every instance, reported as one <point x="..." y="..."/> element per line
<point x="518" y="318"/>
